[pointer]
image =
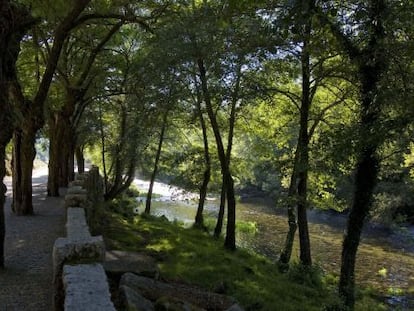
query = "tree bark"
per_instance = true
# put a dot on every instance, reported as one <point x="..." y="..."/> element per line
<point x="53" y="175"/>
<point x="62" y="143"/>
<point x="60" y="154"/>
<point x="365" y="180"/>
<point x="365" y="177"/>
<point x="6" y="124"/>
<point x="222" y="209"/>
<point x="199" y="219"/>
<point x="80" y="159"/>
<point x="22" y="163"/>
<point x="14" y="20"/>
<point x="3" y="188"/>
<point x="372" y="63"/>
<point x="298" y="184"/>
<point x="155" y="170"/>
<point x="286" y="254"/>
<point x="303" y="143"/>
<point x="230" y="239"/>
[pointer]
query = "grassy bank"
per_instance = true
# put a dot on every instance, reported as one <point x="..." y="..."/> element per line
<point x="192" y="256"/>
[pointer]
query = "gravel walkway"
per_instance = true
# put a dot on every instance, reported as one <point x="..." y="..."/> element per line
<point x="26" y="282"/>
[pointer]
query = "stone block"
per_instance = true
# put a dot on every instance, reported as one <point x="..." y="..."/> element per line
<point x="86" y="288"/>
<point x="81" y="177"/>
<point x="235" y="307"/>
<point x="76" y="225"/>
<point x="75" y="183"/>
<point x="134" y="301"/>
<point x="65" y="251"/>
<point x="153" y="290"/>
<point x="119" y="262"/>
<point x="76" y="190"/>
<point x="74" y="200"/>
<point x="172" y="303"/>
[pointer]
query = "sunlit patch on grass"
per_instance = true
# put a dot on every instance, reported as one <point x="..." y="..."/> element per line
<point x="395" y="291"/>
<point x="161" y="245"/>
<point x="247" y="227"/>
<point x="382" y="272"/>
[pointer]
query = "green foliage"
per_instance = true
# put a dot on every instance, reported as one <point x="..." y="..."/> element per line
<point x="124" y="206"/>
<point x="310" y="276"/>
<point x="133" y="191"/>
<point x="193" y="256"/>
<point x="247" y="227"/>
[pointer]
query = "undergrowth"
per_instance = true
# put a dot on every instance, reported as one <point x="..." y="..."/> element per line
<point x="193" y="256"/>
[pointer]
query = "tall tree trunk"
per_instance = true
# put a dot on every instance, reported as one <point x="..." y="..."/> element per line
<point x="62" y="142"/>
<point x="53" y="175"/>
<point x="365" y="179"/>
<point x="372" y="63"/>
<point x="286" y="254"/>
<point x="156" y="163"/>
<point x="199" y="219"/>
<point x="222" y="209"/>
<point x="365" y="176"/>
<point x="60" y="154"/>
<point x="3" y="188"/>
<point x="228" y="184"/>
<point x="121" y="179"/>
<point x="103" y="149"/>
<point x="230" y="240"/>
<point x="298" y="184"/>
<point x="66" y="153"/>
<point x="14" y="20"/>
<point x="71" y="160"/>
<point x="303" y="143"/>
<point x="23" y="155"/>
<point x="80" y="159"/>
<point x="6" y="124"/>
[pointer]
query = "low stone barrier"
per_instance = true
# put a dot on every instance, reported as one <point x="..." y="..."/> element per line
<point x="86" y="288"/>
<point x="79" y="279"/>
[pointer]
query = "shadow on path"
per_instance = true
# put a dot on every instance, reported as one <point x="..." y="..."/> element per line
<point x="26" y="282"/>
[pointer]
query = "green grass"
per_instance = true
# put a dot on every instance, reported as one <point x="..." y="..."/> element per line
<point x="191" y="256"/>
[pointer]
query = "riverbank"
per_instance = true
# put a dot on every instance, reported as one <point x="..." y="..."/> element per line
<point x="385" y="259"/>
<point x="189" y="256"/>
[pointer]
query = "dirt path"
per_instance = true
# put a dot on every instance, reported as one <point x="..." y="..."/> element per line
<point x="26" y="282"/>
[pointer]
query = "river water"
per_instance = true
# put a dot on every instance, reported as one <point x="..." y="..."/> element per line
<point x="385" y="258"/>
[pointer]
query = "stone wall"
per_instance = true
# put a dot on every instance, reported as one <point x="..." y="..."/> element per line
<point x="79" y="279"/>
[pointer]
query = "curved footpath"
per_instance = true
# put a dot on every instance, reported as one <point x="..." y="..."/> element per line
<point x="26" y="282"/>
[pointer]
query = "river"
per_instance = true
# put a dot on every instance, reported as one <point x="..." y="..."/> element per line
<point x="385" y="258"/>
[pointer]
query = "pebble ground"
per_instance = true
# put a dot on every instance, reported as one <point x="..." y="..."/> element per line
<point x="26" y="281"/>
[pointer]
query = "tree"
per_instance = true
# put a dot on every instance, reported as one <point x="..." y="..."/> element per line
<point x="15" y="20"/>
<point x="199" y="218"/>
<point x="77" y="71"/>
<point x="32" y="116"/>
<point x="156" y="162"/>
<point x="371" y="63"/>
<point x="62" y="120"/>
<point x="306" y="56"/>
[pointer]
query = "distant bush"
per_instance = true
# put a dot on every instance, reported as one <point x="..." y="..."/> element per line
<point x="305" y="275"/>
